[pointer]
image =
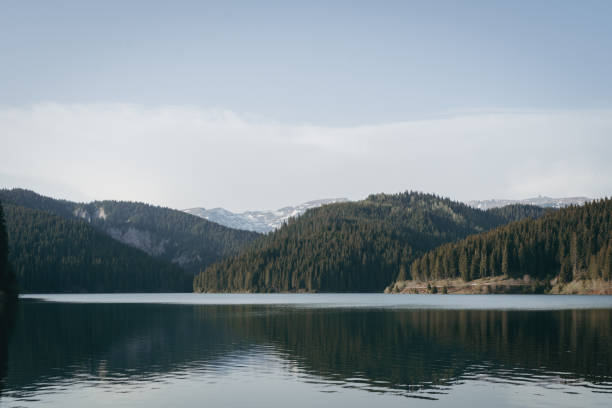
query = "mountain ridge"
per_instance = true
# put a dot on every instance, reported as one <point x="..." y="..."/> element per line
<point x="259" y="221"/>
<point x="266" y="221"/>
<point x="540" y="201"/>
<point x="351" y="246"/>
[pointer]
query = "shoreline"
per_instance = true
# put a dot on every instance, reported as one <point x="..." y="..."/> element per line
<point x="501" y="285"/>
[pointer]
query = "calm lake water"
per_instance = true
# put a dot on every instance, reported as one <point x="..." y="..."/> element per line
<point x="188" y="350"/>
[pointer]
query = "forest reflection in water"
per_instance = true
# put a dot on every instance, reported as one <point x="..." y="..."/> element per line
<point x="422" y="353"/>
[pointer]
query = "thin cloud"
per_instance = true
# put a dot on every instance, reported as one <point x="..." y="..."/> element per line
<point x="185" y="156"/>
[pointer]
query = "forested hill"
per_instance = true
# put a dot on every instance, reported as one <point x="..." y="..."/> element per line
<point x="172" y="235"/>
<point x="185" y="239"/>
<point x="571" y="244"/>
<point x="55" y="254"/>
<point x="350" y="247"/>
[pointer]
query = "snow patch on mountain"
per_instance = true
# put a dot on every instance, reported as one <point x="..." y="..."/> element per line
<point x="540" y="201"/>
<point x="259" y="221"/>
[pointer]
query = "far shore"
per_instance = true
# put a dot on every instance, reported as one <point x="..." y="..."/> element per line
<point x="502" y="284"/>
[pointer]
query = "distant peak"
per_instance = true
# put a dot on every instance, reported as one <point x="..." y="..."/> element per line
<point x="259" y="221"/>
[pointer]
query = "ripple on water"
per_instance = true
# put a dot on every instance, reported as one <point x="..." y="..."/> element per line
<point x="401" y="351"/>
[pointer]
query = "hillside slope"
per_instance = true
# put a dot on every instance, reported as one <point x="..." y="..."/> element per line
<point x="347" y="247"/>
<point x="171" y="235"/>
<point x="55" y="254"/>
<point x="569" y="245"/>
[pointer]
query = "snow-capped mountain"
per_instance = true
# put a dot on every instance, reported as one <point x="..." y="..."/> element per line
<point x="260" y="221"/>
<point x="540" y="201"/>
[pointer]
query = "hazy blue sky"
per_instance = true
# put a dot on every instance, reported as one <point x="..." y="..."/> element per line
<point x="328" y="72"/>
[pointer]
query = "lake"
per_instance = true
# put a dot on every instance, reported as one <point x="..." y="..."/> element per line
<point x="325" y="350"/>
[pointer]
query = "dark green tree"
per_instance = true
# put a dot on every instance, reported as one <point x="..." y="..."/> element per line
<point x="8" y="285"/>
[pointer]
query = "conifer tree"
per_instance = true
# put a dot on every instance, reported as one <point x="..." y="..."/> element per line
<point x="463" y="266"/>
<point x="504" y="262"/>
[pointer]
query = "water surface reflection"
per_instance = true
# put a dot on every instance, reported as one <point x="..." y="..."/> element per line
<point x="195" y="352"/>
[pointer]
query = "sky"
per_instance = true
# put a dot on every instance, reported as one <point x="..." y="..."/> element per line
<point x="259" y="105"/>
